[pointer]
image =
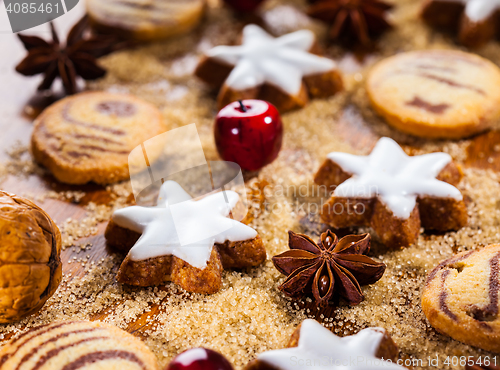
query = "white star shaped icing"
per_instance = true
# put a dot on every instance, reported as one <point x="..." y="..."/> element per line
<point x="479" y="10"/>
<point x="320" y="348"/>
<point x="393" y="176"/>
<point x="281" y="61"/>
<point x="183" y="227"/>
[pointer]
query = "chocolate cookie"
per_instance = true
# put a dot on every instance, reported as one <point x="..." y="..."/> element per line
<point x="145" y="20"/>
<point x="436" y="93"/>
<point x="72" y="345"/>
<point x="460" y="298"/>
<point x="89" y="136"/>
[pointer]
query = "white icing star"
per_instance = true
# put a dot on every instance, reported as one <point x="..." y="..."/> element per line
<point x="282" y="61"/>
<point x="479" y="10"/>
<point x="320" y="348"/>
<point x="395" y="177"/>
<point x="182" y="227"/>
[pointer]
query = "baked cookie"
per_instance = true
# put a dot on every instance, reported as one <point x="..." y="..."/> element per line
<point x="282" y="70"/>
<point x="30" y="263"/>
<point x="475" y="21"/>
<point x="312" y="345"/>
<point x="89" y="136"/>
<point x="184" y="241"/>
<point x="145" y="20"/>
<point x="72" y="345"/>
<point x="436" y="93"/>
<point x="460" y="297"/>
<point x="393" y="193"/>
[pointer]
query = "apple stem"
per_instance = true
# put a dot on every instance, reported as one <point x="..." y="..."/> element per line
<point x="242" y="106"/>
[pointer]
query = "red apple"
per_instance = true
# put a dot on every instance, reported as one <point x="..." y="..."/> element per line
<point x="244" y="6"/>
<point x="249" y="133"/>
<point x="199" y="359"/>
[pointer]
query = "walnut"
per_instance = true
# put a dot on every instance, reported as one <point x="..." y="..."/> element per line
<point x="30" y="263"/>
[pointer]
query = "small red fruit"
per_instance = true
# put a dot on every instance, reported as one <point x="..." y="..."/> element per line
<point x="244" y="6"/>
<point x="249" y="133"/>
<point x="199" y="359"/>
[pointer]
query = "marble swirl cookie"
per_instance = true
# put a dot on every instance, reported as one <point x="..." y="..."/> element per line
<point x="89" y="136"/>
<point x="77" y="345"/>
<point x="145" y="20"/>
<point x="436" y="93"/>
<point x="460" y="298"/>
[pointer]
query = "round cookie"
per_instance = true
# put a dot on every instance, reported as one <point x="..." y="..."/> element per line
<point x="72" y="345"/>
<point x="145" y="20"/>
<point x="460" y="298"/>
<point x="436" y="93"/>
<point x="89" y="136"/>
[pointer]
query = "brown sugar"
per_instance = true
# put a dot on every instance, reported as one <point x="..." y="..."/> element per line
<point x="249" y="314"/>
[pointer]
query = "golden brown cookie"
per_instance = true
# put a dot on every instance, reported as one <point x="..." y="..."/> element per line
<point x="460" y="298"/>
<point x="89" y="136"/>
<point x="436" y="93"/>
<point x="30" y="263"/>
<point x="282" y="71"/>
<point x="72" y="345"/>
<point x="145" y="20"/>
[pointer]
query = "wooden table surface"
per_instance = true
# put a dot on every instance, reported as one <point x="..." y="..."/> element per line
<point x="16" y="125"/>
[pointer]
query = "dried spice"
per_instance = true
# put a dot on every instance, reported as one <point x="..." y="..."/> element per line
<point x="362" y="20"/>
<point x="78" y="57"/>
<point x="329" y="267"/>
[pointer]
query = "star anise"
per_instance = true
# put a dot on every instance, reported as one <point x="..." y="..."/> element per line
<point x="78" y="57"/>
<point x="328" y="267"/>
<point x="361" y="19"/>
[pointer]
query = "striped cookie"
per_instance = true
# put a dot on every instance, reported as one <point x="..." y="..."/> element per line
<point x="77" y="345"/>
<point x="436" y="93"/>
<point x="460" y="297"/>
<point x="89" y="136"/>
<point x="145" y="19"/>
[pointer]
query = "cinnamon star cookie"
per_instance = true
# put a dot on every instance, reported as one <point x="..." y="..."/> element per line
<point x="184" y="241"/>
<point x="475" y="21"/>
<point x="460" y="298"/>
<point x="89" y="136"/>
<point x="436" y="93"/>
<point x="314" y="346"/>
<point x="282" y="70"/>
<point x="393" y="193"/>
<point x="76" y="345"/>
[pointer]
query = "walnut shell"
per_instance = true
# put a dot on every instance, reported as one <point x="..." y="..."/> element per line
<point x="30" y="263"/>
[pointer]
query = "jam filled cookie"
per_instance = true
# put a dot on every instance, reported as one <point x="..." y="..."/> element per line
<point x="182" y="240"/>
<point x="89" y="136"/>
<point x="280" y="70"/>
<point x="436" y="93"/>
<point x="460" y="298"/>
<point x="314" y="346"/>
<point x="30" y="267"/>
<point x="72" y="345"/>
<point x="392" y="192"/>
<point x="475" y="21"/>
<point x="146" y="20"/>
